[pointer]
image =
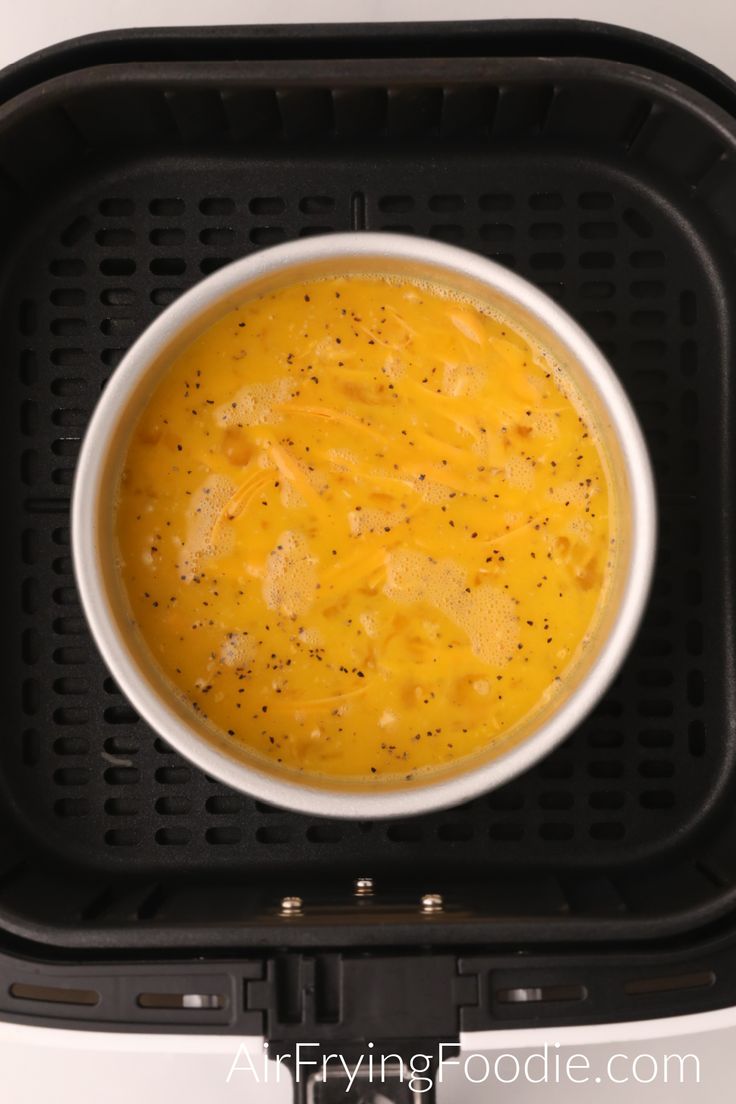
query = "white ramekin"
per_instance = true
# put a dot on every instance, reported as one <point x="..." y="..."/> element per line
<point x="125" y="396"/>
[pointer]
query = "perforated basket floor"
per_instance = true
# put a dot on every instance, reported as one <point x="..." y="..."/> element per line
<point x="121" y="187"/>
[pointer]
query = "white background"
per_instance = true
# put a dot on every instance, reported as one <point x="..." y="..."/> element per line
<point x="75" y="1068"/>
<point x="705" y="27"/>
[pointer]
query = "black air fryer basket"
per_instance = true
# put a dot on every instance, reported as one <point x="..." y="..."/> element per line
<point x="597" y="163"/>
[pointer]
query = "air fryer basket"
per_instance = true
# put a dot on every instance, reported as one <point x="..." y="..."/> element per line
<point x="605" y="171"/>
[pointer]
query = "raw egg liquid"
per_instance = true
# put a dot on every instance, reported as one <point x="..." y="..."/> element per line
<point x="363" y="527"/>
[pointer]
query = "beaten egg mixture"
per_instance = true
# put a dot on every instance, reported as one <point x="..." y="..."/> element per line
<point x="363" y="528"/>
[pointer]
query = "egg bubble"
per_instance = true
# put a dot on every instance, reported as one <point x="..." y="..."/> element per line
<point x="205" y="536"/>
<point x="255" y="403"/>
<point x="485" y="613"/>
<point x="290" y="579"/>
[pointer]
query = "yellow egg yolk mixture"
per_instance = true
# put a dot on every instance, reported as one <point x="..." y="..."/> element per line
<point x="363" y="528"/>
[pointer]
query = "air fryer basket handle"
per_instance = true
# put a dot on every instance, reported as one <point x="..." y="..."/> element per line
<point x="389" y="1072"/>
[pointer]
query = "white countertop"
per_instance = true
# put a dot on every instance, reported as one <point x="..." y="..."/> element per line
<point x="706" y="27"/>
<point x="83" y="1068"/>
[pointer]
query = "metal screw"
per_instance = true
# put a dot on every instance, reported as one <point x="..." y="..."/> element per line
<point x="432" y="902"/>
<point x="363" y="887"/>
<point x="291" y="906"/>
